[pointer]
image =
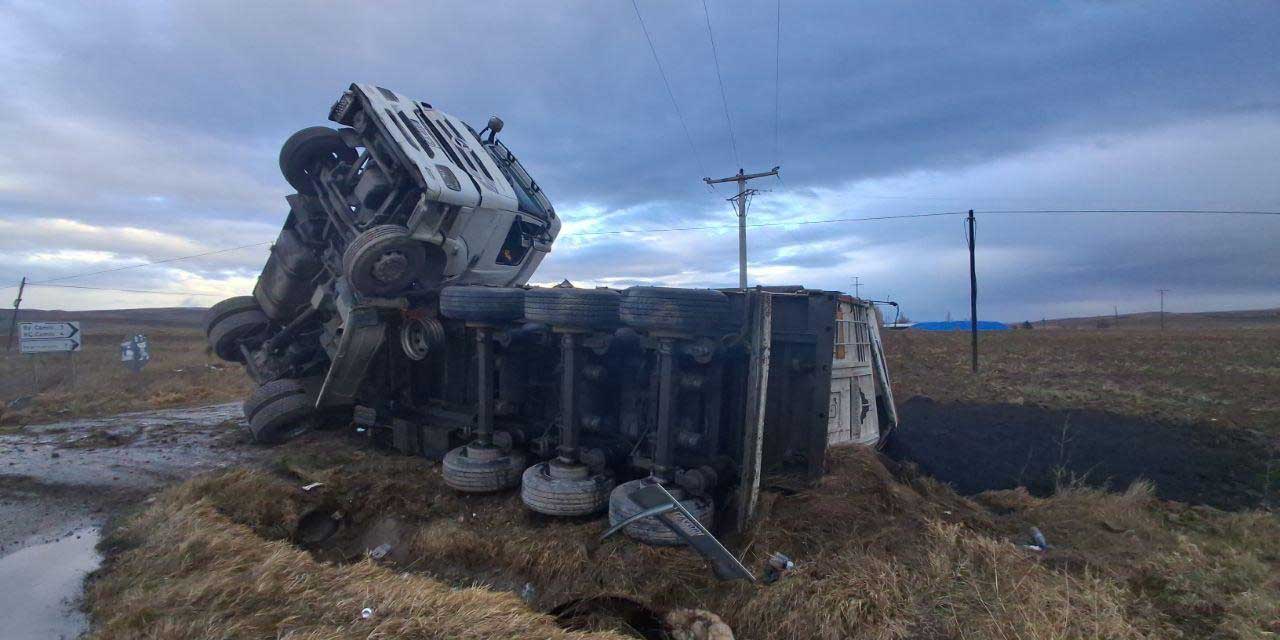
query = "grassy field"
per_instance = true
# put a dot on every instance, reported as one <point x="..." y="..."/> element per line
<point x="93" y="382"/>
<point x="1225" y="375"/>
<point x="1204" y="369"/>
<point x="882" y="553"/>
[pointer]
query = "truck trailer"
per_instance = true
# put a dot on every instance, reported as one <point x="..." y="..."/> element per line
<point x="396" y="301"/>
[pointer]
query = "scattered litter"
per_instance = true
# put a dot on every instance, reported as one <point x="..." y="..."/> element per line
<point x="777" y="566"/>
<point x="1038" y="538"/>
<point x="366" y="613"/>
<point x="528" y="592"/>
<point x="308" y="487"/>
<point x="379" y="552"/>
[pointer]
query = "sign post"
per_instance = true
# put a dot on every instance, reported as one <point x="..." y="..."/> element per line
<point x="50" y="337"/>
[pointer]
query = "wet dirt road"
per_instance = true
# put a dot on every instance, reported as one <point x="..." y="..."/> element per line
<point x="61" y="482"/>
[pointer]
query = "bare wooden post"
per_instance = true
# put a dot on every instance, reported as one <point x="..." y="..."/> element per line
<point x="13" y="321"/>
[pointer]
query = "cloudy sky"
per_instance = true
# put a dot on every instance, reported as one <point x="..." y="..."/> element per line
<point x="136" y="132"/>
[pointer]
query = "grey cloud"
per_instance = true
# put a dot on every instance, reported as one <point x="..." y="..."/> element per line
<point x="169" y="116"/>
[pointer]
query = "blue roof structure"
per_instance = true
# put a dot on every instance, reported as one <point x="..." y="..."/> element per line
<point x="960" y="325"/>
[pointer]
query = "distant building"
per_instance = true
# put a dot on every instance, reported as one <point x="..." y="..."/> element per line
<point x="960" y="325"/>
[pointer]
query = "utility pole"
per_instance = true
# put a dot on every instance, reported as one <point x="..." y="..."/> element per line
<point x="857" y="288"/>
<point x="742" y="196"/>
<point x="13" y="321"/>
<point x="973" y="292"/>
<point x="1162" y="292"/>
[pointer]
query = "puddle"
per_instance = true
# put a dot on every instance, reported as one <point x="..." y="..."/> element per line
<point x="41" y="586"/>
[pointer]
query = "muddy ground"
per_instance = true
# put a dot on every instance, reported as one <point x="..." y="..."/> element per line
<point x="983" y="447"/>
<point x="61" y="483"/>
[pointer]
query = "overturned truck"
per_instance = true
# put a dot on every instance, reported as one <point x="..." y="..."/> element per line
<point x="395" y="299"/>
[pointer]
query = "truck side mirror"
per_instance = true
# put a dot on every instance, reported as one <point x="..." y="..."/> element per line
<point x="494" y="126"/>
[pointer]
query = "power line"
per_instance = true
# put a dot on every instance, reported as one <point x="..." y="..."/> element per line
<point x="733" y="142"/>
<point x="1136" y="211"/>
<point x="671" y="94"/>
<point x="148" y="264"/>
<point x="774" y="224"/>
<point x="46" y="283"/>
<point x="169" y="293"/>
<point x="934" y="215"/>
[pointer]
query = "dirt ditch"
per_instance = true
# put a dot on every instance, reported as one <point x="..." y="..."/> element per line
<point x="982" y="447"/>
<point x="876" y="554"/>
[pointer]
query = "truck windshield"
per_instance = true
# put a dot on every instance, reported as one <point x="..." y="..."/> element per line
<point x="532" y="200"/>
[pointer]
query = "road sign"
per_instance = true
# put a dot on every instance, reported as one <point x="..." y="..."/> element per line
<point x="49" y="337"/>
<point x="47" y="330"/>
<point x="135" y="353"/>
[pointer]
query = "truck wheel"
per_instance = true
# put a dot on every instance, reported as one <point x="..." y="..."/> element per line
<point x="687" y="311"/>
<point x="384" y="260"/>
<point x="577" y="308"/>
<point x="229" y="322"/>
<point x="651" y="530"/>
<point x="558" y="489"/>
<point x="301" y="152"/>
<point x="280" y="410"/>
<point x="482" y="469"/>
<point x="482" y="304"/>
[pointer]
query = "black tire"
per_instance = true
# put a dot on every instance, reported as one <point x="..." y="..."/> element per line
<point x="684" y="311"/>
<point x="482" y="304"/>
<point x="558" y="494"/>
<point x="651" y="530"/>
<point x="229" y="322"/>
<point x="472" y="469"/>
<point x="280" y="410"/>
<point x="575" y="308"/>
<point x="301" y="152"/>
<point x="384" y="260"/>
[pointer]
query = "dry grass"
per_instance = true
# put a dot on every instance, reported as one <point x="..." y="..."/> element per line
<point x="196" y="574"/>
<point x="180" y="373"/>
<point x="878" y="557"/>
<point x="1227" y="376"/>
<point x="881" y="554"/>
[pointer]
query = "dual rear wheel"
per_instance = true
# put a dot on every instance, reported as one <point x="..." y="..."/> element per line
<point x="231" y="322"/>
<point x="656" y="309"/>
<point x="281" y="410"/>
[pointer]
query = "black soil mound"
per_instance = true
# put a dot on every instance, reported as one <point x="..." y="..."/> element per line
<point x="999" y="446"/>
